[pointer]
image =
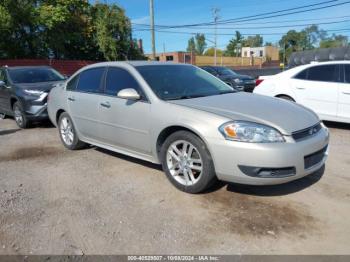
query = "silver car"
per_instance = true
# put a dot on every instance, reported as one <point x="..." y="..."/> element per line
<point x="192" y="123"/>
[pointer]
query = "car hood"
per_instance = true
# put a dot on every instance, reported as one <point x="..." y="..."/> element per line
<point x="42" y="86"/>
<point x="283" y="115"/>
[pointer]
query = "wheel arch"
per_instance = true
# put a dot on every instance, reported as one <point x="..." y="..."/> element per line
<point x="167" y="131"/>
<point x="285" y="95"/>
<point x="58" y="114"/>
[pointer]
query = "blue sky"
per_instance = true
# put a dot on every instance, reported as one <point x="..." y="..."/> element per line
<point x="174" y="12"/>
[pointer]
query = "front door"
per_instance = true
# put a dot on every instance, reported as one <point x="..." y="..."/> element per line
<point x="124" y="123"/>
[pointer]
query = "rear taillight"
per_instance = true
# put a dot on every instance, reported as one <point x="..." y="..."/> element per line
<point x="258" y="81"/>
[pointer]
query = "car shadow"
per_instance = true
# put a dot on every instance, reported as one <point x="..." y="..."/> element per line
<point x="274" y="190"/>
<point x="129" y="158"/>
<point x="338" y="125"/>
<point x="267" y="191"/>
<point x="8" y="131"/>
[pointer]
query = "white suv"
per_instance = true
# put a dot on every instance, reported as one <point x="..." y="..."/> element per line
<point x="323" y="87"/>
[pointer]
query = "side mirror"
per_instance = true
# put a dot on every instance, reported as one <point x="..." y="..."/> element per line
<point x="129" y="93"/>
<point x="2" y="83"/>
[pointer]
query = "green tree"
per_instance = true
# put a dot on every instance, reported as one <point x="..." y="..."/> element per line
<point x="232" y="49"/>
<point x="191" y="46"/>
<point x="253" y="41"/>
<point x="334" y="41"/>
<point x="200" y="44"/>
<point x="65" y="29"/>
<point x="211" y="52"/>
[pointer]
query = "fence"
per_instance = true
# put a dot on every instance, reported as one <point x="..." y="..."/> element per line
<point x="229" y="61"/>
<point x="66" y="67"/>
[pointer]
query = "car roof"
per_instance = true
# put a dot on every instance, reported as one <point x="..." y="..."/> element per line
<point x="135" y="63"/>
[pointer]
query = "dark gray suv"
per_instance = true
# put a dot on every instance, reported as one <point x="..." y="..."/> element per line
<point x="237" y="81"/>
<point x="24" y="91"/>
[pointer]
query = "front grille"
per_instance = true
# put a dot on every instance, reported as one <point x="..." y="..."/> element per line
<point x="314" y="158"/>
<point x="305" y="133"/>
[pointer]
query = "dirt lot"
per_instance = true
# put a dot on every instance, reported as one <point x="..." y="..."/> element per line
<point x="54" y="201"/>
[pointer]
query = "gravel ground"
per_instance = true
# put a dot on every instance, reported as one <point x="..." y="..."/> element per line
<point x="92" y="201"/>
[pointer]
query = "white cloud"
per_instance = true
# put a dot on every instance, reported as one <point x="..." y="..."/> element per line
<point x="141" y="20"/>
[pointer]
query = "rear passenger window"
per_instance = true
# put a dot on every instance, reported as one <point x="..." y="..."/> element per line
<point x="72" y="84"/>
<point x="90" y="80"/>
<point x="118" y="79"/>
<point x="324" y="73"/>
<point x="347" y="73"/>
<point x="302" y="75"/>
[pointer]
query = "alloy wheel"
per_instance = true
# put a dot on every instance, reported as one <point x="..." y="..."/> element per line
<point x="66" y="130"/>
<point x="18" y="116"/>
<point x="184" y="162"/>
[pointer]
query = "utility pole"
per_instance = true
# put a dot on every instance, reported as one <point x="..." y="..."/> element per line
<point x="215" y="12"/>
<point x="151" y="13"/>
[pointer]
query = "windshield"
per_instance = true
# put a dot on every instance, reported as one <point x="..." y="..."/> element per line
<point x="171" y="82"/>
<point x="226" y="71"/>
<point x="34" y="75"/>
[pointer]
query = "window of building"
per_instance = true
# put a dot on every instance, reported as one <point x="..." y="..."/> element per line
<point x="169" y="58"/>
<point x="261" y="53"/>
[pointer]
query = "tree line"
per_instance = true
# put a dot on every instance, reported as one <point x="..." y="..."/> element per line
<point x="309" y="38"/>
<point x="65" y="29"/>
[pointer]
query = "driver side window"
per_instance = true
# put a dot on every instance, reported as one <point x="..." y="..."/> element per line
<point x="118" y="79"/>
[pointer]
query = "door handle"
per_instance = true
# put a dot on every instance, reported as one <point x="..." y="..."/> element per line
<point x="346" y="92"/>
<point x="71" y="99"/>
<point x="106" y="104"/>
<point x="299" y="87"/>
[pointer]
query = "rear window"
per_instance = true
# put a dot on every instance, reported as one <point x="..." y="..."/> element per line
<point x="34" y="75"/>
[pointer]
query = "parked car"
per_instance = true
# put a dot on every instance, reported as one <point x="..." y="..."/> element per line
<point x="196" y="126"/>
<point x="24" y="90"/>
<point x="323" y="87"/>
<point x="237" y="81"/>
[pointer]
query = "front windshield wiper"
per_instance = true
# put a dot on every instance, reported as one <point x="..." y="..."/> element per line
<point x="186" y="97"/>
<point x="227" y="92"/>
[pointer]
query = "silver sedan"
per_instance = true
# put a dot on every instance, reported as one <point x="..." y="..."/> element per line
<point x="192" y="123"/>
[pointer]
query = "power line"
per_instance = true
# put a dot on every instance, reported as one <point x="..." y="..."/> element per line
<point x="258" y="16"/>
<point x="251" y="34"/>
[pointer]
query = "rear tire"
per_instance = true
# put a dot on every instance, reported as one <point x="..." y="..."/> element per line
<point x="68" y="134"/>
<point x="20" y="116"/>
<point x="187" y="162"/>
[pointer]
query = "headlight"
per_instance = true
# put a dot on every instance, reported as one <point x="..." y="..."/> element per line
<point x="33" y="92"/>
<point x="250" y="132"/>
<point x="238" y="81"/>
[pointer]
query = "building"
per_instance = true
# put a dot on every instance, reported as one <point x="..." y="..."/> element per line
<point x="177" y="57"/>
<point x="268" y="52"/>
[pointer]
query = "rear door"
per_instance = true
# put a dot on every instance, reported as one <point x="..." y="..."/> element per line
<point x="317" y="88"/>
<point x="344" y="94"/>
<point x="124" y="123"/>
<point x="83" y="102"/>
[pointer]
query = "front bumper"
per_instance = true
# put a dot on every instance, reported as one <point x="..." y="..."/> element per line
<point x="230" y="156"/>
<point x="36" y="109"/>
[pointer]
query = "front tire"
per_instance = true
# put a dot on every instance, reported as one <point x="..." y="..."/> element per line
<point x="68" y="133"/>
<point x="187" y="162"/>
<point x="20" y="116"/>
